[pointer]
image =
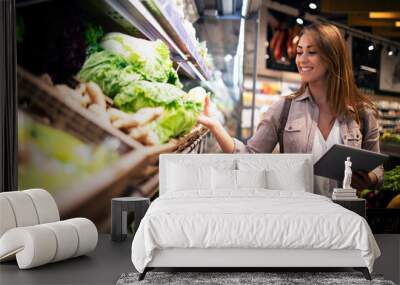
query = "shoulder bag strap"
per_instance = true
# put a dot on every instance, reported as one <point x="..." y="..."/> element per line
<point x="282" y="124"/>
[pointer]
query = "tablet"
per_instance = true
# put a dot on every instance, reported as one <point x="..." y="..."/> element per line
<point x="331" y="164"/>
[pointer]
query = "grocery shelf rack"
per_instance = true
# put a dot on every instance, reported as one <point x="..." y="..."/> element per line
<point x="165" y="26"/>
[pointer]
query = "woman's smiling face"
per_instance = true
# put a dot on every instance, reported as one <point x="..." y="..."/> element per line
<point x="308" y="60"/>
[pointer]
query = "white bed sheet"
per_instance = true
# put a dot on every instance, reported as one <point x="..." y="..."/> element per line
<point x="251" y="218"/>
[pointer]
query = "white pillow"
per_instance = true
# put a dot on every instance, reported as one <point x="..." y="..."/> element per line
<point x="282" y="174"/>
<point x="224" y="179"/>
<point x="182" y="177"/>
<point x="251" y="178"/>
<point x="293" y="178"/>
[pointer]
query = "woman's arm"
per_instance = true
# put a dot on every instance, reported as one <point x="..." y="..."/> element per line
<point x="371" y="142"/>
<point x="263" y="141"/>
<point x="224" y="140"/>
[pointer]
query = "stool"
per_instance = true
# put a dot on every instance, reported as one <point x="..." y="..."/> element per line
<point x="120" y="208"/>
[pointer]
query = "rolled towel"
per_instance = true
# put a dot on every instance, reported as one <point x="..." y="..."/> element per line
<point x="45" y="205"/>
<point x="87" y="235"/>
<point x="7" y="218"/>
<point x="26" y="208"/>
<point x="33" y="246"/>
<point x="67" y="240"/>
<point x="37" y="245"/>
<point x="23" y="208"/>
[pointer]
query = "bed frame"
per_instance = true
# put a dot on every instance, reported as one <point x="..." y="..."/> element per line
<point x="245" y="259"/>
<point x="249" y="258"/>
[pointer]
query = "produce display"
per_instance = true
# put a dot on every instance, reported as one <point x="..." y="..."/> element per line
<point x="118" y="77"/>
<point x="150" y="59"/>
<point x="147" y="101"/>
<point x="389" y="195"/>
<point x="390" y="137"/>
<point x="43" y="163"/>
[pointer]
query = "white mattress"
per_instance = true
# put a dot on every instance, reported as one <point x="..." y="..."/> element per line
<point x="253" y="218"/>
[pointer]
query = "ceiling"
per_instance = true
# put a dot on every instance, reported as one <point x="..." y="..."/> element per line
<point x="356" y="14"/>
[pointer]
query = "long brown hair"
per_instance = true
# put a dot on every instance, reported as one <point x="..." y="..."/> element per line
<point x="342" y="90"/>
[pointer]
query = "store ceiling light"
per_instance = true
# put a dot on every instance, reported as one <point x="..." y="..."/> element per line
<point x="367" y="68"/>
<point x="389" y="51"/>
<point x="397" y="24"/>
<point x="371" y="47"/>
<point x="384" y="15"/>
<point x="228" y="57"/>
<point x="299" y="21"/>
<point x="312" y="6"/>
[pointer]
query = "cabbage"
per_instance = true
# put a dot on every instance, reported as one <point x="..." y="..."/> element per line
<point x="181" y="109"/>
<point x="196" y="98"/>
<point x="175" y="122"/>
<point x="142" y="94"/>
<point x="110" y="71"/>
<point x="149" y="58"/>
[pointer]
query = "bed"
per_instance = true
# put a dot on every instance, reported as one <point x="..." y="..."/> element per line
<point x="246" y="211"/>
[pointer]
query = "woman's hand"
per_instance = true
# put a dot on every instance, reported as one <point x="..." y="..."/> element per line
<point x="362" y="180"/>
<point x="221" y="135"/>
<point x="206" y="121"/>
<point x="204" y="118"/>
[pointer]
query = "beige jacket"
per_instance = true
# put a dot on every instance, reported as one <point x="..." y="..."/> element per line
<point x="298" y="136"/>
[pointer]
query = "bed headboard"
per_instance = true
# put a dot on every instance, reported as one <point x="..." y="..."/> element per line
<point x="211" y="159"/>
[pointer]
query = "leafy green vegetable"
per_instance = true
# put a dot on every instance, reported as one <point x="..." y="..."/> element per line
<point x="391" y="180"/>
<point x="142" y="94"/>
<point x="93" y="35"/>
<point x="390" y="137"/>
<point x="110" y="71"/>
<point x="176" y="122"/>
<point x="151" y="59"/>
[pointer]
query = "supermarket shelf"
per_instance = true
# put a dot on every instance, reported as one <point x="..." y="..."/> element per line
<point x="132" y="14"/>
<point x="390" y="117"/>
<point x="166" y="14"/>
<point x="26" y="3"/>
<point x="390" y="148"/>
<point x="385" y="109"/>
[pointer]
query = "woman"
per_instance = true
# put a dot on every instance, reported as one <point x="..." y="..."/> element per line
<point x="327" y="109"/>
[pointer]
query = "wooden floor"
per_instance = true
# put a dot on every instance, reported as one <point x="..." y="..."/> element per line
<point x="102" y="266"/>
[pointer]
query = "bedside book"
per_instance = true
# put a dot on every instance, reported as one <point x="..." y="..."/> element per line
<point x="352" y="198"/>
<point x="339" y="190"/>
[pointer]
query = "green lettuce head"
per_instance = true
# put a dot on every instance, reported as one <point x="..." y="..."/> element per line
<point x="142" y="94"/>
<point x="175" y="123"/>
<point x="151" y="59"/>
<point x="110" y="71"/>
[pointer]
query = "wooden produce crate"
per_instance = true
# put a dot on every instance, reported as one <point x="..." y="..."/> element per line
<point x="91" y="197"/>
<point x="44" y="101"/>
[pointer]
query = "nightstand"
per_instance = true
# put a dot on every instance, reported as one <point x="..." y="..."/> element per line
<point x="356" y="205"/>
<point x="120" y="209"/>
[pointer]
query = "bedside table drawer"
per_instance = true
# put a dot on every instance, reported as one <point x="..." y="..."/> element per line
<point x="357" y="206"/>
